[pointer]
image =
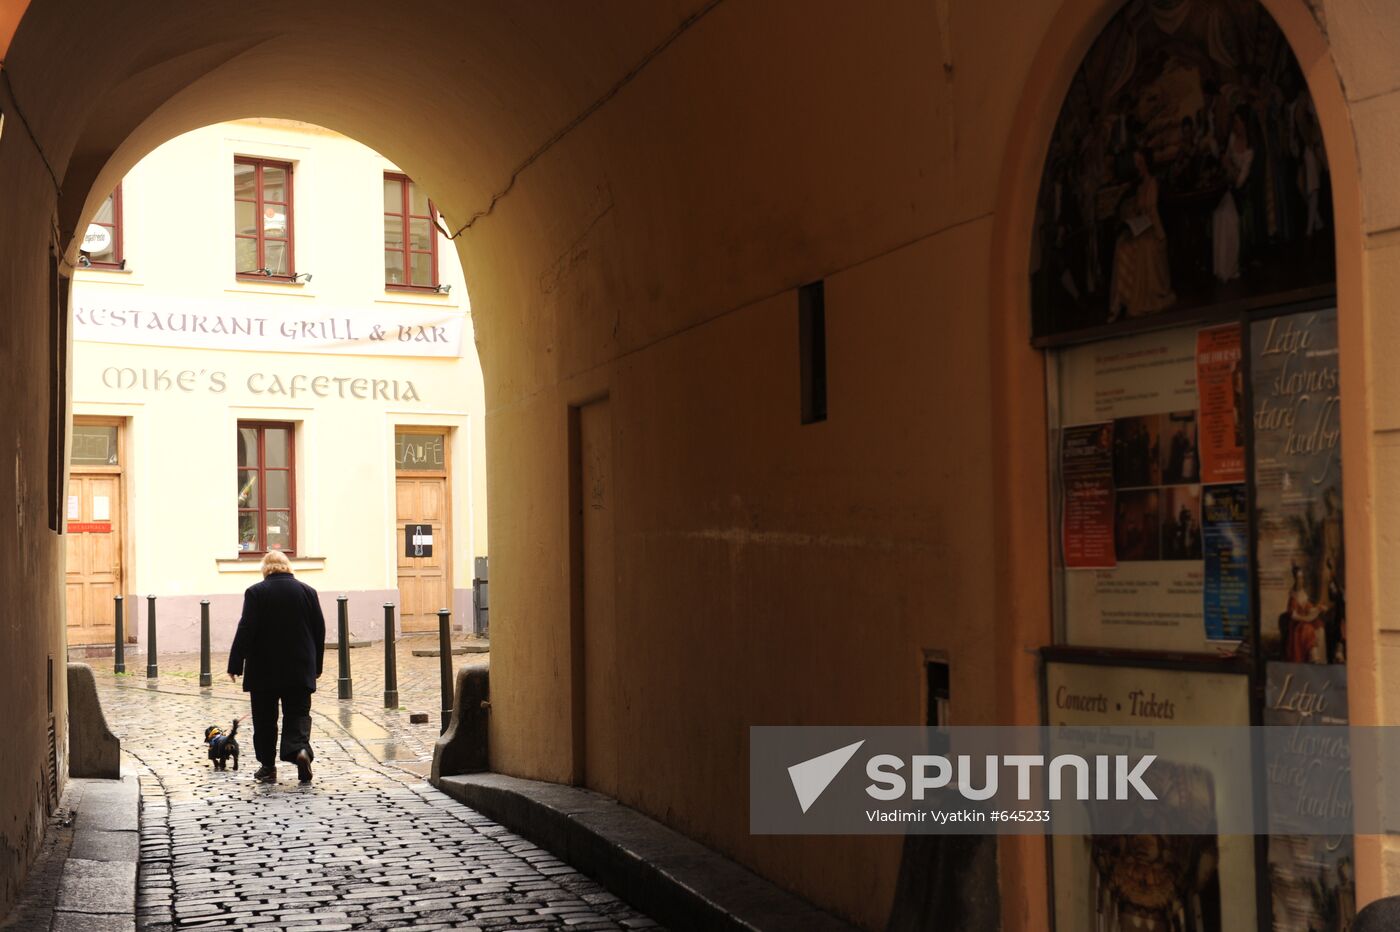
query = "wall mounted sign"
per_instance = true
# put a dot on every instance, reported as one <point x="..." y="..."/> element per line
<point x="153" y="320"/>
<point x="97" y="239"/>
<point x="269" y="385"/>
<point x="418" y="540"/>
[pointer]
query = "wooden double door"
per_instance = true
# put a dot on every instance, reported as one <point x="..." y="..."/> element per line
<point x="424" y="559"/>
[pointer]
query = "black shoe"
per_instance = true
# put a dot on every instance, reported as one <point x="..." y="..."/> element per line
<point x="303" y="761"/>
<point x="266" y="775"/>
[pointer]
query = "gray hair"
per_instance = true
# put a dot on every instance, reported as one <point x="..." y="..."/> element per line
<point x="275" y="561"/>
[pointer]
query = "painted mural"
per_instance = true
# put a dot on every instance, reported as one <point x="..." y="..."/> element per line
<point x="1186" y="171"/>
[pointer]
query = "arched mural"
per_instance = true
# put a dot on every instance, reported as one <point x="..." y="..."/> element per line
<point x="1186" y="172"/>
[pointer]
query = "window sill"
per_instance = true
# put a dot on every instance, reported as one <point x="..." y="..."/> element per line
<point x="262" y="285"/>
<point x="254" y="564"/>
<point x="426" y="297"/>
<point x="113" y="275"/>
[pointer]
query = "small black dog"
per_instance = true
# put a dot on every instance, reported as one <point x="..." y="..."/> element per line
<point x="222" y="746"/>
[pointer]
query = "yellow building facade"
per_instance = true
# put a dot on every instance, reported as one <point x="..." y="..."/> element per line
<point x="250" y="317"/>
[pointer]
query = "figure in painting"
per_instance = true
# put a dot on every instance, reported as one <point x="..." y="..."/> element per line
<point x="1301" y="624"/>
<point x="1237" y="160"/>
<point x="1142" y="281"/>
<point x="1311" y="172"/>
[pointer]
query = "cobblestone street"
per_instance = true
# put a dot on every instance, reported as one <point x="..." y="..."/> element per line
<point x="369" y="845"/>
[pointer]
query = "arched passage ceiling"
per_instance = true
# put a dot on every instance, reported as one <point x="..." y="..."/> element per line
<point x="759" y="149"/>
<point x="461" y="94"/>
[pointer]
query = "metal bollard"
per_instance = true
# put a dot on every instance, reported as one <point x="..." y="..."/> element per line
<point x="151" y="670"/>
<point x="206" y="678"/>
<point x="342" y="611"/>
<point x="391" y="675"/>
<point x="445" y="664"/>
<point x="119" y="648"/>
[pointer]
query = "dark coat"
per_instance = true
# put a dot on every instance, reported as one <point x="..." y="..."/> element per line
<point x="281" y="638"/>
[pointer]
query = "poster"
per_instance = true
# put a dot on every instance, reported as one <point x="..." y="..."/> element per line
<point x="418" y="540"/>
<point x="1220" y="386"/>
<point x="1126" y="883"/>
<point x="1312" y="878"/>
<point x="1225" y="533"/>
<point x="1151" y="594"/>
<point x="1087" y="471"/>
<point x="1298" y="487"/>
<point x="1186" y="170"/>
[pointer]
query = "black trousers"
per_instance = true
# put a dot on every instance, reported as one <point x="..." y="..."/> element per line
<point x="296" y="724"/>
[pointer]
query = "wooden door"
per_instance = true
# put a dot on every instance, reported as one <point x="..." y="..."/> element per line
<point x="94" y="545"/>
<point x="424" y="584"/>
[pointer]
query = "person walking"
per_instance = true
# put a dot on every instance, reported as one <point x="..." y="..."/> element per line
<point x="278" y="650"/>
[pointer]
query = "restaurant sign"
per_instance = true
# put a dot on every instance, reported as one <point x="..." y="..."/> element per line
<point x="382" y="330"/>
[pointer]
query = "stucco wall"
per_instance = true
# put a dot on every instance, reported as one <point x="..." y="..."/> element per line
<point x="31" y="556"/>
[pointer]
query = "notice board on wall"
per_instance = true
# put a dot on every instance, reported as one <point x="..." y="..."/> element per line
<point x="1151" y="470"/>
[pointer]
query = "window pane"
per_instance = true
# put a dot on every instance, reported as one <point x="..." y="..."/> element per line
<point x="393" y="232"/>
<point x="245" y="255"/>
<point x="417" y="200"/>
<point x="276" y="490"/>
<point x="419" y="451"/>
<point x="423" y="269"/>
<point x="420" y="234"/>
<point x="247" y="488"/>
<point x="244" y="181"/>
<point x="104" y="213"/>
<point x="275" y="221"/>
<point x="244" y="221"/>
<point x="275" y="446"/>
<point x="247" y="446"/>
<point x="393" y="196"/>
<point x="274" y="183"/>
<point x="393" y="267"/>
<point x="94" y="445"/>
<point x="279" y="530"/>
<point x="247" y="530"/>
<point x="275" y="255"/>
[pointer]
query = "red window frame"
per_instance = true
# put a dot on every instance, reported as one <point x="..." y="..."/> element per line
<point x="262" y="469"/>
<point x="118" y="260"/>
<point x="406" y="251"/>
<point x="260" y="203"/>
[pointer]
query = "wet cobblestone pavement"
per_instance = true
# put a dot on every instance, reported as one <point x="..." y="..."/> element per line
<point x="368" y="845"/>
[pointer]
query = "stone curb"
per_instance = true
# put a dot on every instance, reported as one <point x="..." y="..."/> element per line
<point x="672" y="878"/>
<point x="97" y="888"/>
<point x="457" y="650"/>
